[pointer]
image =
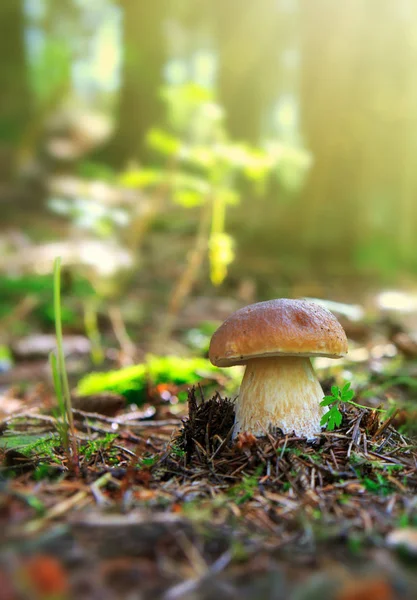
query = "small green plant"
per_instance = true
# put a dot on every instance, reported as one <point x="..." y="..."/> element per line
<point x="177" y="451"/>
<point x="203" y="168"/>
<point x="148" y="461"/>
<point x="333" y="417"/>
<point x="245" y="490"/>
<point x="381" y="486"/>
<point x="355" y="543"/>
<point x="63" y="412"/>
<point x="44" y="471"/>
<point x="92" y="447"/>
<point x="43" y="447"/>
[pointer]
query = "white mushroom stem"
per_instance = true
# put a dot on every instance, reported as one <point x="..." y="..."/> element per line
<point x="279" y="392"/>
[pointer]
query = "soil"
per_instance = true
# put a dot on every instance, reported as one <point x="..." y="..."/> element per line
<point x="165" y="511"/>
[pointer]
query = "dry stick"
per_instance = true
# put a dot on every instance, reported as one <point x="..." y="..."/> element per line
<point x="131" y="423"/>
<point x="222" y="444"/>
<point x="141" y="222"/>
<point x="385" y="424"/>
<point x="185" y="284"/>
<point x="187" y="587"/>
<point x="119" y="329"/>
<point x="63" y="507"/>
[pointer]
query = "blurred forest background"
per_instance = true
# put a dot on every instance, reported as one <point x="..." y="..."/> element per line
<point x="176" y="151"/>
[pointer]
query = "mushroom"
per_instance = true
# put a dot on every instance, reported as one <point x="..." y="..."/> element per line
<point x="275" y="341"/>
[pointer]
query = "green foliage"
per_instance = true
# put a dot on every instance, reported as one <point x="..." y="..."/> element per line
<point x="132" y="382"/>
<point x="379" y="254"/>
<point x="51" y="72"/>
<point x="129" y="382"/>
<point x="245" y="490"/>
<point x="239" y="552"/>
<point x="43" y="447"/>
<point x="43" y="471"/>
<point x="355" y="543"/>
<point x="96" y="171"/>
<point x="379" y="485"/>
<point x="407" y="520"/>
<point x="203" y="166"/>
<point x="40" y="288"/>
<point x="333" y="417"/>
<point x="26" y="444"/>
<point x="390" y="382"/>
<point x="177" y="451"/>
<point x="92" y="447"/>
<point x="10" y="440"/>
<point x="38" y="448"/>
<point x="33" y="502"/>
<point x="6" y="358"/>
<point x="148" y="461"/>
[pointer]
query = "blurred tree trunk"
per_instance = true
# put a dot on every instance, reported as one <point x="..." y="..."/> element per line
<point x="144" y="57"/>
<point x="359" y="98"/>
<point x="250" y="37"/>
<point x="15" y="106"/>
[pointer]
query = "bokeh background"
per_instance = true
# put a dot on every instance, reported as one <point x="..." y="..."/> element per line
<point x="184" y="158"/>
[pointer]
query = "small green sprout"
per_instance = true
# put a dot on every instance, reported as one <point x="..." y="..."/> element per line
<point x="333" y="417"/>
<point x="63" y="412"/>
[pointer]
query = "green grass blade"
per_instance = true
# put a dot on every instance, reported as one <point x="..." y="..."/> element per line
<point x="59" y="369"/>
<point x="60" y="343"/>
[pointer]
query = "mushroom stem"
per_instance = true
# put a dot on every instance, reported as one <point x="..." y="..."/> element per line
<point x="279" y="392"/>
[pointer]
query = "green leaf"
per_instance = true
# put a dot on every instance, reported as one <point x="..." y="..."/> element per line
<point x="346" y="387"/>
<point x="221" y="254"/>
<point x="328" y="400"/>
<point x="228" y="196"/>
<point x="141" y="178"/>
<point x="188" y="198"/>
<point x="163" y="142"/>
<point x="20" y="441"/>
<point x="346" y="396"/>
<point x="332" y="418"/>
<point x="182" y="180"/>
<point x="325" y="418"/>
<point x="200" y="156"/>
<point x="335" y="418"/>
<point x="335" y="391"/>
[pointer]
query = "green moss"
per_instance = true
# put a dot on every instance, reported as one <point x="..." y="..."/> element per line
<point x="132" y="382"/>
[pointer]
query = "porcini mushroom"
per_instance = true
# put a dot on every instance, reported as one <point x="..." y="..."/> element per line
<point x="275" y="341"/>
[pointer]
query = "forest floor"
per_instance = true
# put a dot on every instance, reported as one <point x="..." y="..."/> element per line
<point x="162" y="504"/>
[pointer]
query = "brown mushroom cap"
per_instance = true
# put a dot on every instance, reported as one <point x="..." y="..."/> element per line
<point x="277" y="328"/>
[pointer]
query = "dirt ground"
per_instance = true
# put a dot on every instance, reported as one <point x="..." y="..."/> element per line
<point x="161" y="503"/>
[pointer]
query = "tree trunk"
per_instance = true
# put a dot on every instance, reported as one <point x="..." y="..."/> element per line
<point x="15" y="109"/>
<point x="358" y="107"/>
<point x="250" y="37"/>
<point x="140" y="106"/>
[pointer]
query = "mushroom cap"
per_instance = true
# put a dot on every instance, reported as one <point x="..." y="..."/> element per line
<point x="280" y="327"/>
